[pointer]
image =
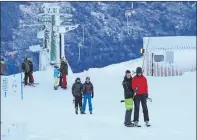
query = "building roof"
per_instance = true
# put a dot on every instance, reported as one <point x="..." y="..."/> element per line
<point x="170" y="42"/>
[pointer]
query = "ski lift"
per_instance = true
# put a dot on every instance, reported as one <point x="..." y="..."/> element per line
<point x="130" y="12"/>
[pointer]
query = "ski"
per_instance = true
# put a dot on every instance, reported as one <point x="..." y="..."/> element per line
<point x="33" y="83"/>
<point x="148" y="125"/>
<point x="30" y="85"/>
<point x="132" y="125"/>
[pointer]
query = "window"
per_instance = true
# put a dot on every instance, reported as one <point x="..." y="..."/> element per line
<point x="54" y="10"/>
<point x="169" y="56"/>
<point x="158" y="58"/>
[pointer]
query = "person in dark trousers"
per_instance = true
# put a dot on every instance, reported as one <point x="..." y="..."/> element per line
<point x="139" y="84"/>
<point x="77" y="91"/>
<point x="31" y="78"/>
<point x="3" y="66"/>
<point x="26" y="69"/>
<point x="88" y="94"/>
<point x="64" y="73"/>
<point x="128" y="95"/>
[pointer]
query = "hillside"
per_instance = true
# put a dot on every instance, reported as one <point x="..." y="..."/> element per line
<point x="107" y="40"/>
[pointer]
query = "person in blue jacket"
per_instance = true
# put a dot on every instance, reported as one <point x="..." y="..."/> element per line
<point x="56" y="77"/>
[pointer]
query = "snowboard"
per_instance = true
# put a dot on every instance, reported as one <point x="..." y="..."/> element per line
<point x="128" y="103"/>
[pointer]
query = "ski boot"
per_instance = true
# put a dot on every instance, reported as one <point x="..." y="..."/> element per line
<point x="55" y="87"/>
<point x="136" y="124"/>
<point x="83" y="113"/>
<point x="129" y="124"/>
<point x="81" y="110"/>
<point x="76" y="110"/>
<point x="147" y="123"/>
<point x="90" y="112"/>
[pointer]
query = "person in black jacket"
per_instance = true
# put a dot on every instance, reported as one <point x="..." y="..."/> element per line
<point x="128" y="94"/>
<point x="77" y="92"/>
<point x="31" y="78"/>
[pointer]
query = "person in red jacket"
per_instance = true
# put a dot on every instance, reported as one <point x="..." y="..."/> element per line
<point x="140" y="86"/>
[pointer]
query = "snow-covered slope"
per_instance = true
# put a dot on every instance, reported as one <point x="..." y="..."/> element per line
<point x="45" y="114"/>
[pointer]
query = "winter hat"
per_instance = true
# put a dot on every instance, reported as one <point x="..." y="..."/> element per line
<point x="78" y="79"/>
<point x="56" y="66"/>
<point x="62" y="58"/>
<point x="30" y="59"/>
<point x="138" y="70"/>
<point x="87" y="78"/>
<point x="127" y="72"/>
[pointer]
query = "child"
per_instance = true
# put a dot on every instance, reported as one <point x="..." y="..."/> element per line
<point x="56" y="76"/>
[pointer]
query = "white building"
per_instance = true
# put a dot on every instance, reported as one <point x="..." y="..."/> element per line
<point x="169" y="56"/>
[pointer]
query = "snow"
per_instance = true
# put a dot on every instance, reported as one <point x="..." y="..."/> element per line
<point x="45" y="114"/>
<point x="35" y="48"/>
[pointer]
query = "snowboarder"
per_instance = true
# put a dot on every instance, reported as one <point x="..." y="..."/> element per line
<point x="88" y="94"/>
<point x="64" y="72"/>
<point x="77" y="91"/>
<point x="26" y="69"/>
<point x="56" y="76"/>
<point x="139" y="84"/>
<point x="128" y="95"/>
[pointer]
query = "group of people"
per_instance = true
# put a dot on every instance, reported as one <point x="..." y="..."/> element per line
<point x="60" y="74"/>
<point x="135" y="90"/>
<point x="27" y="67"/>
<point x="81" y="92"/>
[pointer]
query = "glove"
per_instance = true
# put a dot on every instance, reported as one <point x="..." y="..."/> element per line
<point x="92" y="95"/>
<point x="146" y="96"/>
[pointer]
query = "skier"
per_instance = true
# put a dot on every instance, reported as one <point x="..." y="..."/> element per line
<point x="26" y="69"/>
<point x="128" y="95"/>
<point x="56" y="76"/>
<point x="31" y="78"/>
<point x="139" y="84"/>
<point x="64" y="72"/>
<point x="77" y="91"/>
<point x="3" y="66"/>
<point x="88" y="94"/>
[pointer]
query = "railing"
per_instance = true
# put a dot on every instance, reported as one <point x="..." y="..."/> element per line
<point x="166" y="69"/>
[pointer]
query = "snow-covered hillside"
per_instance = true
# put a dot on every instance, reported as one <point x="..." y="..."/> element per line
<point x="45" y="114"/>
<point x="108" y="37"/>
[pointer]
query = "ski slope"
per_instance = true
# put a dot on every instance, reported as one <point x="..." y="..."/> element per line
<point x="45" y="114"/>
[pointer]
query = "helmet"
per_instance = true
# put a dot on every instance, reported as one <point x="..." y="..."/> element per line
<point x="138" y="70"/>
<point x="56" y="66"/>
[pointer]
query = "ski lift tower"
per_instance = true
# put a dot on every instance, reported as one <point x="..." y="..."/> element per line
<point x="128" y="13"/>
<point x="53" y="33"/>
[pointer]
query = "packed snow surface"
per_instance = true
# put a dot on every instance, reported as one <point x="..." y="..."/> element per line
<point x="46" y="114"/>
